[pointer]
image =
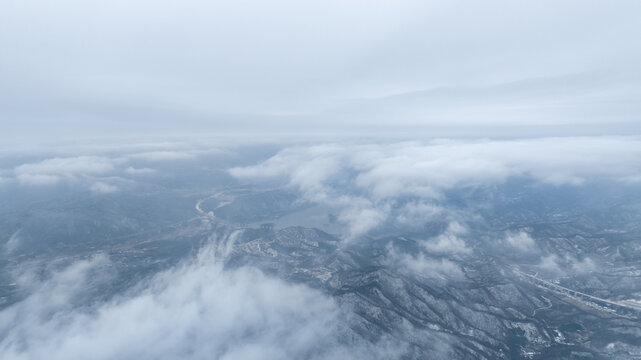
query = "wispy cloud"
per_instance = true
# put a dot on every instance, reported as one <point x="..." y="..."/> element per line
<point x="424" y="266"/>
<point x="50" y="171"/>
<point x="13" y="243"/>
<point x="521" y="241"/>
<point x="555" y="265"/>
<point x="103" y="188"/>
<point x="139" y="171"/>
<point x="450" y="241"/>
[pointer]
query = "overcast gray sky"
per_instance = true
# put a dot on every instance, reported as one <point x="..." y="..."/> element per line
<point x="77" y="67"/>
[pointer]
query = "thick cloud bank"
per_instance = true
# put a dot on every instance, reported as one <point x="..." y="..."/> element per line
<point x="196" y="311"/>
<point x="365" y="181"/>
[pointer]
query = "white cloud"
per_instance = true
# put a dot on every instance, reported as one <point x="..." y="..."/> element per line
<point x="585" y="265"/>
<point x="307" y="168"/>
<point x="425" y="169"/>
<point x="561" y="266"/>
<point x="83" y="169"/>
<point x="139" y="171"/>
<point x="50" y="171"/>
<point x="415" y="214"/>
<point x="633" y="179"/>
<point x="163" y="155"/>
<point x="521" y="241"/>
<point x="360" y="214"/>
<point x="195" y="310"/>
<point x="68" y="166"/>
<point x="103" y="188"/>
<point x="375" y="176"/>
<point x="550" y="263"/>
<point x="38" y="179"/>
<point x="449" y="241"/>
<point x="424" y="266"/>
<point x="361" y="220"/>
<point x="13" y="243"/>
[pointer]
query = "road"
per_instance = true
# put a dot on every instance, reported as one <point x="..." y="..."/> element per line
<point x="576" y="294"/>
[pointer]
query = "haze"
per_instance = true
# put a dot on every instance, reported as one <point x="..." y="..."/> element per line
<point x="73" y="68"/>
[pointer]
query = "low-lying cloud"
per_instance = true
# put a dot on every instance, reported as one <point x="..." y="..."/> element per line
<point x="195" y="310"/>
<point x="103" y="188"/>
<point x="55" y="170"/>
<point x="450" y="241"/>
<point x="163" y="155"/>
<point x="521" y="241"/>
<point x="92" y="166"/>
<point x="365" y="181"/>
<point x="58" y="168"/>
<point x="13" y="243"/>
<point x="139" y="171"/>
<point x="424" y="266"/>
<point x="555" y="265"/>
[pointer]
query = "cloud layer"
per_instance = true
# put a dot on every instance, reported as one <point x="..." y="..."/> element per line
<point x="154" y="67"/>
<point x="51" y="171"/>
<point x="195" y="310"/>
<point x="366" y="181"/>
<point x="100" y="166"/>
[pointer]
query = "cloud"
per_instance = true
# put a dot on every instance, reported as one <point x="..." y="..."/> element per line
<point x="415" y="214"/>
<point x="585" y="265"/>
<point x="359" y="213"/>
<point x="561" y="266"/>
<point x="50" y="171"/>
<point x="96" y="170"/>
<point x="103" y="188"/>
<point x="195" y="310"/>
<point x="139" y="171"/>
<point x="361" y="220"/>
<point x="108" y="157"/>
<point x="550" y="263"/>
<point x="369" y="179"/>
<point x="633" y="179"/>
<point x="68" y="166"/>
<point x="522" y="241"/>
<point x="430" y="267"/>
<point x="13" y="243"/>
<point x="307" y="168"/>
<point x="424" y="169"/>
<point x="163" y="155"/>
<point x="424" y="266"/>
<point x="38" y="179"/>
<point x="449" y="241"/>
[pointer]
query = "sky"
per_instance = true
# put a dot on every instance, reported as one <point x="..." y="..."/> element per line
<point x="73" y="68"/>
